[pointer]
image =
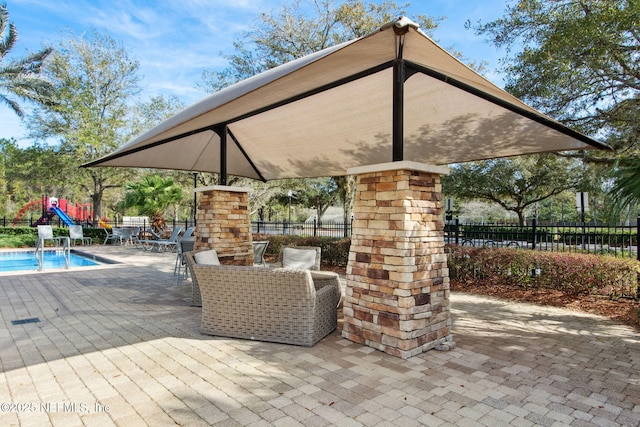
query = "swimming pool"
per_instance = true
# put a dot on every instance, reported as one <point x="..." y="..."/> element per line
<point x="27" y="261"/>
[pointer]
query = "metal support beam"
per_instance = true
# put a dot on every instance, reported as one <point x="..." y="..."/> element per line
<point x="222" y="133"/>
<point x="398" y="110"/>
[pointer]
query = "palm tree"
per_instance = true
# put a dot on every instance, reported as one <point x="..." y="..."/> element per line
<point x="151" y="196"/>
<point x="21" y="78"/>
<point x="626" y="187"/>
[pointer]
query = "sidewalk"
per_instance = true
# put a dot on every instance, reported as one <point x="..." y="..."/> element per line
<point x="119" y="345"/>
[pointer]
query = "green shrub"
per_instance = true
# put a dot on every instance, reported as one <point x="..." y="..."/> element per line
<point x="21" y="237"/>
<point x="569" y="272"/>
<point x="17" y="240"/>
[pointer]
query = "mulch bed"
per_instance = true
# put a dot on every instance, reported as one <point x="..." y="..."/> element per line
<point x="623" y="310"/>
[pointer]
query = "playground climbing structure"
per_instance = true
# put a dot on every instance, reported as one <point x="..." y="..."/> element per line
<point x="50" y="207"/>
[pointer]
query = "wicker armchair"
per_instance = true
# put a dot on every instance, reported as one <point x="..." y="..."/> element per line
<point x="279" y="305"/>
<point x="299" y="257"/>
<point x="190" y="261"/>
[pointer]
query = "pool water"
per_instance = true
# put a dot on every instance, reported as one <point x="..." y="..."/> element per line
<point x="26" y="261"/>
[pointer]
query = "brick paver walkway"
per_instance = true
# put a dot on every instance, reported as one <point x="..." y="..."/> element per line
<point x="120" y="346"/>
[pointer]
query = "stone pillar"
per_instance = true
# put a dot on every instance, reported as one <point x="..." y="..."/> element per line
<point x="397" y="293"/>
<point x="224" y="224"/>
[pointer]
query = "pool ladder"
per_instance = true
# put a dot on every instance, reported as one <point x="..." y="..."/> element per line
<point x="66" y="251"/>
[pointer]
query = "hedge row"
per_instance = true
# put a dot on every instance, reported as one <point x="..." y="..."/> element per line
<point x="27" y="236"/>
<point x="568" y="272"/>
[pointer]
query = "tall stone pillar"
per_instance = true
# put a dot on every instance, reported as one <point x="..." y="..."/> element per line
<point x="397" y="293"/>
<point x="223" y="221"/>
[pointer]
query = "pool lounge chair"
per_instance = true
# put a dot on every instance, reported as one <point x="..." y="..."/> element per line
<point x="163" y="244"/>
<point x="121" y="235"/>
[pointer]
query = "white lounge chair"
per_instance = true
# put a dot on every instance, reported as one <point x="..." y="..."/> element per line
<point x="122" y="235"/>
<point x="164" y="244"/>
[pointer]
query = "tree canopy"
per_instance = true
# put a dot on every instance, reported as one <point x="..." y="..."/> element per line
<point x="514" y="183"/>
<point x="292" y="33"/>
<point x="576" y="61"/>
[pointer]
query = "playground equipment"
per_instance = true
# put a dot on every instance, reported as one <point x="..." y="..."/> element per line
<point x="69" y="213"/>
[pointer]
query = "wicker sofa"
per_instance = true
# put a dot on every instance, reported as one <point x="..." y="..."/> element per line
<point x="268" y="304"/>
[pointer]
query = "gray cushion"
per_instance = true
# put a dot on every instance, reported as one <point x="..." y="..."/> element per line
<point x="298" y="258"/>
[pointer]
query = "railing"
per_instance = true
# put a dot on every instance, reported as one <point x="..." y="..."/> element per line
<point x="620" y="241"/>
<point x="66" y="251"/>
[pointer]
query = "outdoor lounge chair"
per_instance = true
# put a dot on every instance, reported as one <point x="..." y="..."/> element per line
<point x="76" y="233"/>
<point x="284" y="305"/>
<point x="303" y="257"/>
<point x="121" y="235"/>
<point x="163" y="244"/>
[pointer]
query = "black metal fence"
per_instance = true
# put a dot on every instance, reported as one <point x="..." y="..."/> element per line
<point x="621" y="241"/>
<point x="306" y="229"/>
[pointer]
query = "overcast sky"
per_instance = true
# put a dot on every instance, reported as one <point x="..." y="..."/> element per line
<point x="175" y="40"/>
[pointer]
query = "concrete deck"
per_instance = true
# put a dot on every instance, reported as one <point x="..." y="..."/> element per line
<point x="119" y="345"/>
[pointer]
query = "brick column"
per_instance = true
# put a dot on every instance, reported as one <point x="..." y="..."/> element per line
<point x="397" y="293"/>
<point x="223" y="223"/>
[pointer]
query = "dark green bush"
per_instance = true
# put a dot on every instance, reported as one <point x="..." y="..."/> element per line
<point x="20" y="237"/>
<point x="569" y="272"/>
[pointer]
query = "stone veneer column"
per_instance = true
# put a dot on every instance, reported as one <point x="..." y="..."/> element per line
<point x="223" y="223"/>
<point x="397" y="293"/>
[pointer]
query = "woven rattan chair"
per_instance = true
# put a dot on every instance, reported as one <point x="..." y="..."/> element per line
<point x="190" y="261"/>
<point x="268" y="304"/>
<point x="299" y="257"/>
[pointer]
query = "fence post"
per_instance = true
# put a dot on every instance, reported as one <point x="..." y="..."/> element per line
<point x="315" y="227"/>
<point x="534" y="224"/>
<point x="638" y="243"/>
<point x="456" y="231"/>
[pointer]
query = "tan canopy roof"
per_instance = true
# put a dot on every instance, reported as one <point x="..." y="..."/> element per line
<point x="342" y="107"/>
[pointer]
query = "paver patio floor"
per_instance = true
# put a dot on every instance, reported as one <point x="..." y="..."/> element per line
<point x="119" y="345"/>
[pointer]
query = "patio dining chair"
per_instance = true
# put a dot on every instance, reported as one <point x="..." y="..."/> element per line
<point x="45" y="232"/>
<point x="259" y="248"/>
<point x="184" y="245"/>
